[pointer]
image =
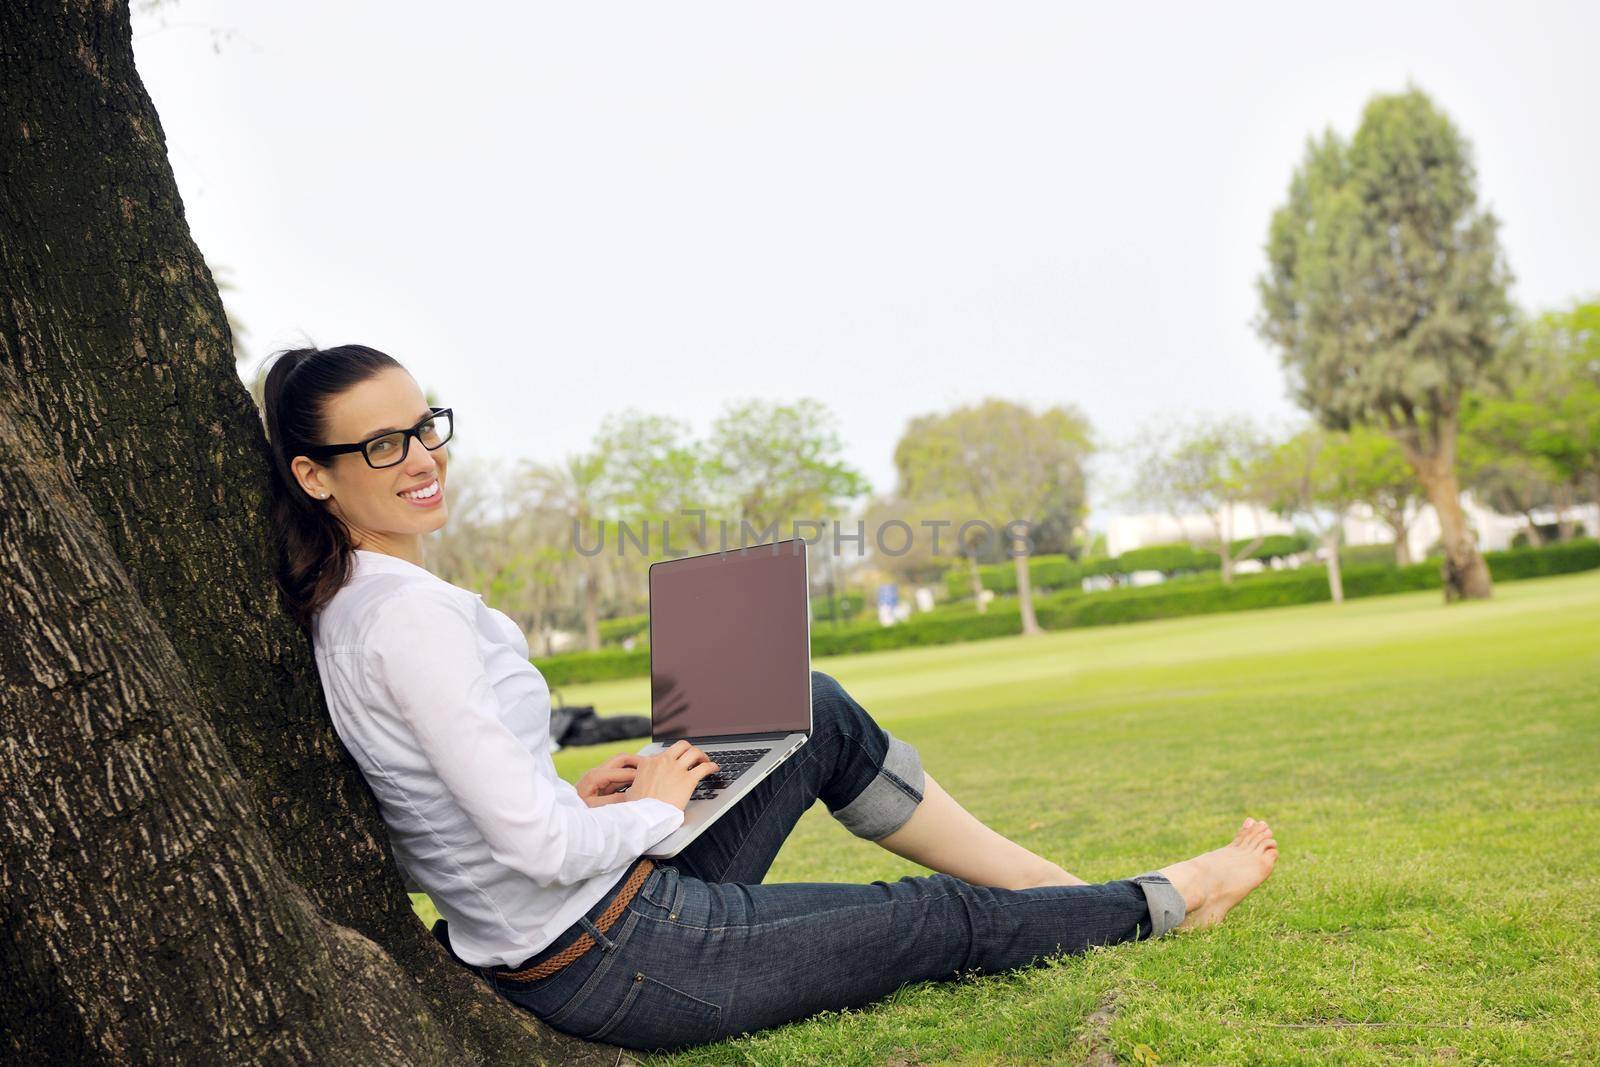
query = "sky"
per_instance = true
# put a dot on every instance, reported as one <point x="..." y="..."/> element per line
<point x="550" y="212"/>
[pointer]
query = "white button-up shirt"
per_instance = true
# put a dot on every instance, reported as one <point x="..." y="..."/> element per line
<point x="431" y="691"/>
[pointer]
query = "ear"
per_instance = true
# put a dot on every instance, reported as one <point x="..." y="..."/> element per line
<point x="310" y="478"/>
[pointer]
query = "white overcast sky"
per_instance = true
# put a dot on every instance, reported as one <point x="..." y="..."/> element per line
<point x="552" y="211"/>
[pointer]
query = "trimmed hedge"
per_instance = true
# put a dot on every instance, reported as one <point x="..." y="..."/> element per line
<point x="850" y="605"/>
<point x="569" y="668"/>
<point x="1580" y="554"/>
<point x="1366" y="555"/>
<point x="1167" y="559"/>
<point x="1060" y="572"/>
<point x="1199" y="595"/>
<point x="623" y="627"/>
<point x="1044" y="572"/>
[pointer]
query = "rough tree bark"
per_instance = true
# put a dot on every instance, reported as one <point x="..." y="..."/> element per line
<point x="194" y="869"/>
<point x="146" y="916"/>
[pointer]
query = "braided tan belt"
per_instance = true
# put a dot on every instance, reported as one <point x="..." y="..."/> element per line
<point x="607" y="918"/>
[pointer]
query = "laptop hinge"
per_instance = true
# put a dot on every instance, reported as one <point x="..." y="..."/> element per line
<point x="709" y="739"/>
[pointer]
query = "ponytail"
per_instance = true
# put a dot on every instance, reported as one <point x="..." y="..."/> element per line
<point x="314" y="551"/>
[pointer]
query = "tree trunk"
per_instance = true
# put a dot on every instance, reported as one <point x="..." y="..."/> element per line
<point x="194" y="870"/>
<point x="1564" y="523"/>
<point x="591" y="611"/>
<point x="1466" y="576"/>
<point x="1030" y="623"/>
<point x="1222" y="523"/>
<point x="1249" y="550"/>
<point x="977" y="584"/>
<point x="1535" y="537"/>
<point x="146" y="915"/>
<point x="1330" y="543"/>
<point x="1402" y="542"/>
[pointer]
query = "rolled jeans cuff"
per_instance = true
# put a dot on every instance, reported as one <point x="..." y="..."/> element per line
<point x="889" y="799"/>
<point x="1167" y="908"/>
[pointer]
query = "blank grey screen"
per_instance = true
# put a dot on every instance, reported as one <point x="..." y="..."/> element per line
<point x="729" y="643"/>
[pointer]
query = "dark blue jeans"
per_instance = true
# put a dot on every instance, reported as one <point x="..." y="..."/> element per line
<point x="705" y="951"/>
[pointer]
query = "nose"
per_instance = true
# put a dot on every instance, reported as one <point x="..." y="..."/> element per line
<point x="419" y="460"/>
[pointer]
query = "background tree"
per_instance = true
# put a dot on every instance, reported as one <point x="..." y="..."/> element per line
<point x="1568" y="342"/>
<point x="1001" y="462"/>
<point x="655" y="474"/>
<point x="1510" y="483"/>
<point x="1207" y="467"/>
<point x="772" y="464"/>
<point x="578" y="488"/>
<point x="1312" y="476"/>
<point x="502" y="542"/>
<point x="1386" y="294"/>
<point x="193" y="868"/>
<point x="923" y="491"/>
<point x="1385" y="482"/>
<point x="1548" y="422"/>
<point x="923" y="561"/>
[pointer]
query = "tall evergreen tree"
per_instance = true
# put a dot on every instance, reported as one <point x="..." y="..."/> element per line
<point x="1385" y="293"/>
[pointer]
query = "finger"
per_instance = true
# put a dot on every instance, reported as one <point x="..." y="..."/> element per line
<point x="619" y="774"/>
<point x="704" y="769"/>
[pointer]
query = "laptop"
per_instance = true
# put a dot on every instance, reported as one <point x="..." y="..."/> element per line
<point x="730" y="670"/>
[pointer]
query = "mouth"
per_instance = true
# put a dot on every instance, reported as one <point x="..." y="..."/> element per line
<point x="425" y="496"/>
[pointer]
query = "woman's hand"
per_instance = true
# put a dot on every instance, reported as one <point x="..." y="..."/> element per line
<point x="671" y="775"/>
<point x="599" y="784"/>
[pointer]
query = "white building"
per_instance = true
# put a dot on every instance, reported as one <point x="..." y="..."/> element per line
<point x="1494" y="530"/>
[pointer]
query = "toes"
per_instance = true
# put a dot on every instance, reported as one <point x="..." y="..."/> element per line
<point x="1255" y="833"/>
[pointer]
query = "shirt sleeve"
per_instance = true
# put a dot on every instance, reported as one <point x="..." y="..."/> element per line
<point x="424" y="659"/>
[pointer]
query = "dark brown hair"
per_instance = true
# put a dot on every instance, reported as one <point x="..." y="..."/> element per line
<point x="315" y="554"/>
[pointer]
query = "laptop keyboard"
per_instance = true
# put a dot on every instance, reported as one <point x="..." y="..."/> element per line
<point x="731" y="763"/>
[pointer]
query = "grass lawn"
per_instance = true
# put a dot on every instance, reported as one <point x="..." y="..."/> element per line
<point x="1432" y="775"/>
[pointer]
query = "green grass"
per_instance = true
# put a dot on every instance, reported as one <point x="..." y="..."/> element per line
<point x="1430" y="773"/>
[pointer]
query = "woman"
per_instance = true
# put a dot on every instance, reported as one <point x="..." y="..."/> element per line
<point x="542" y="885"/>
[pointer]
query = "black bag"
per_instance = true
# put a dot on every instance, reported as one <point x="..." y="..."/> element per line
<point x="579" y="725"/>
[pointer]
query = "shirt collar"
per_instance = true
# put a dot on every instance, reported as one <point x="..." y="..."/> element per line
<point x="370" y="562"/>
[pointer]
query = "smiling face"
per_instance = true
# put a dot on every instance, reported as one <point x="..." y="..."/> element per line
<point x="371" y="501"/>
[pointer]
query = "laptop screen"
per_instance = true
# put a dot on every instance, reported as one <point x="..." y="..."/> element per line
<point x="730" y="641"/>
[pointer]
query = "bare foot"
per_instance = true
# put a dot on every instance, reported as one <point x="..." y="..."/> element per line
<point x="1213" y="883"/>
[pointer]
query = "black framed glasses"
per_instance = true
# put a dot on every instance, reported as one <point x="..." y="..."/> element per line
<point x="387" y="449"/>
